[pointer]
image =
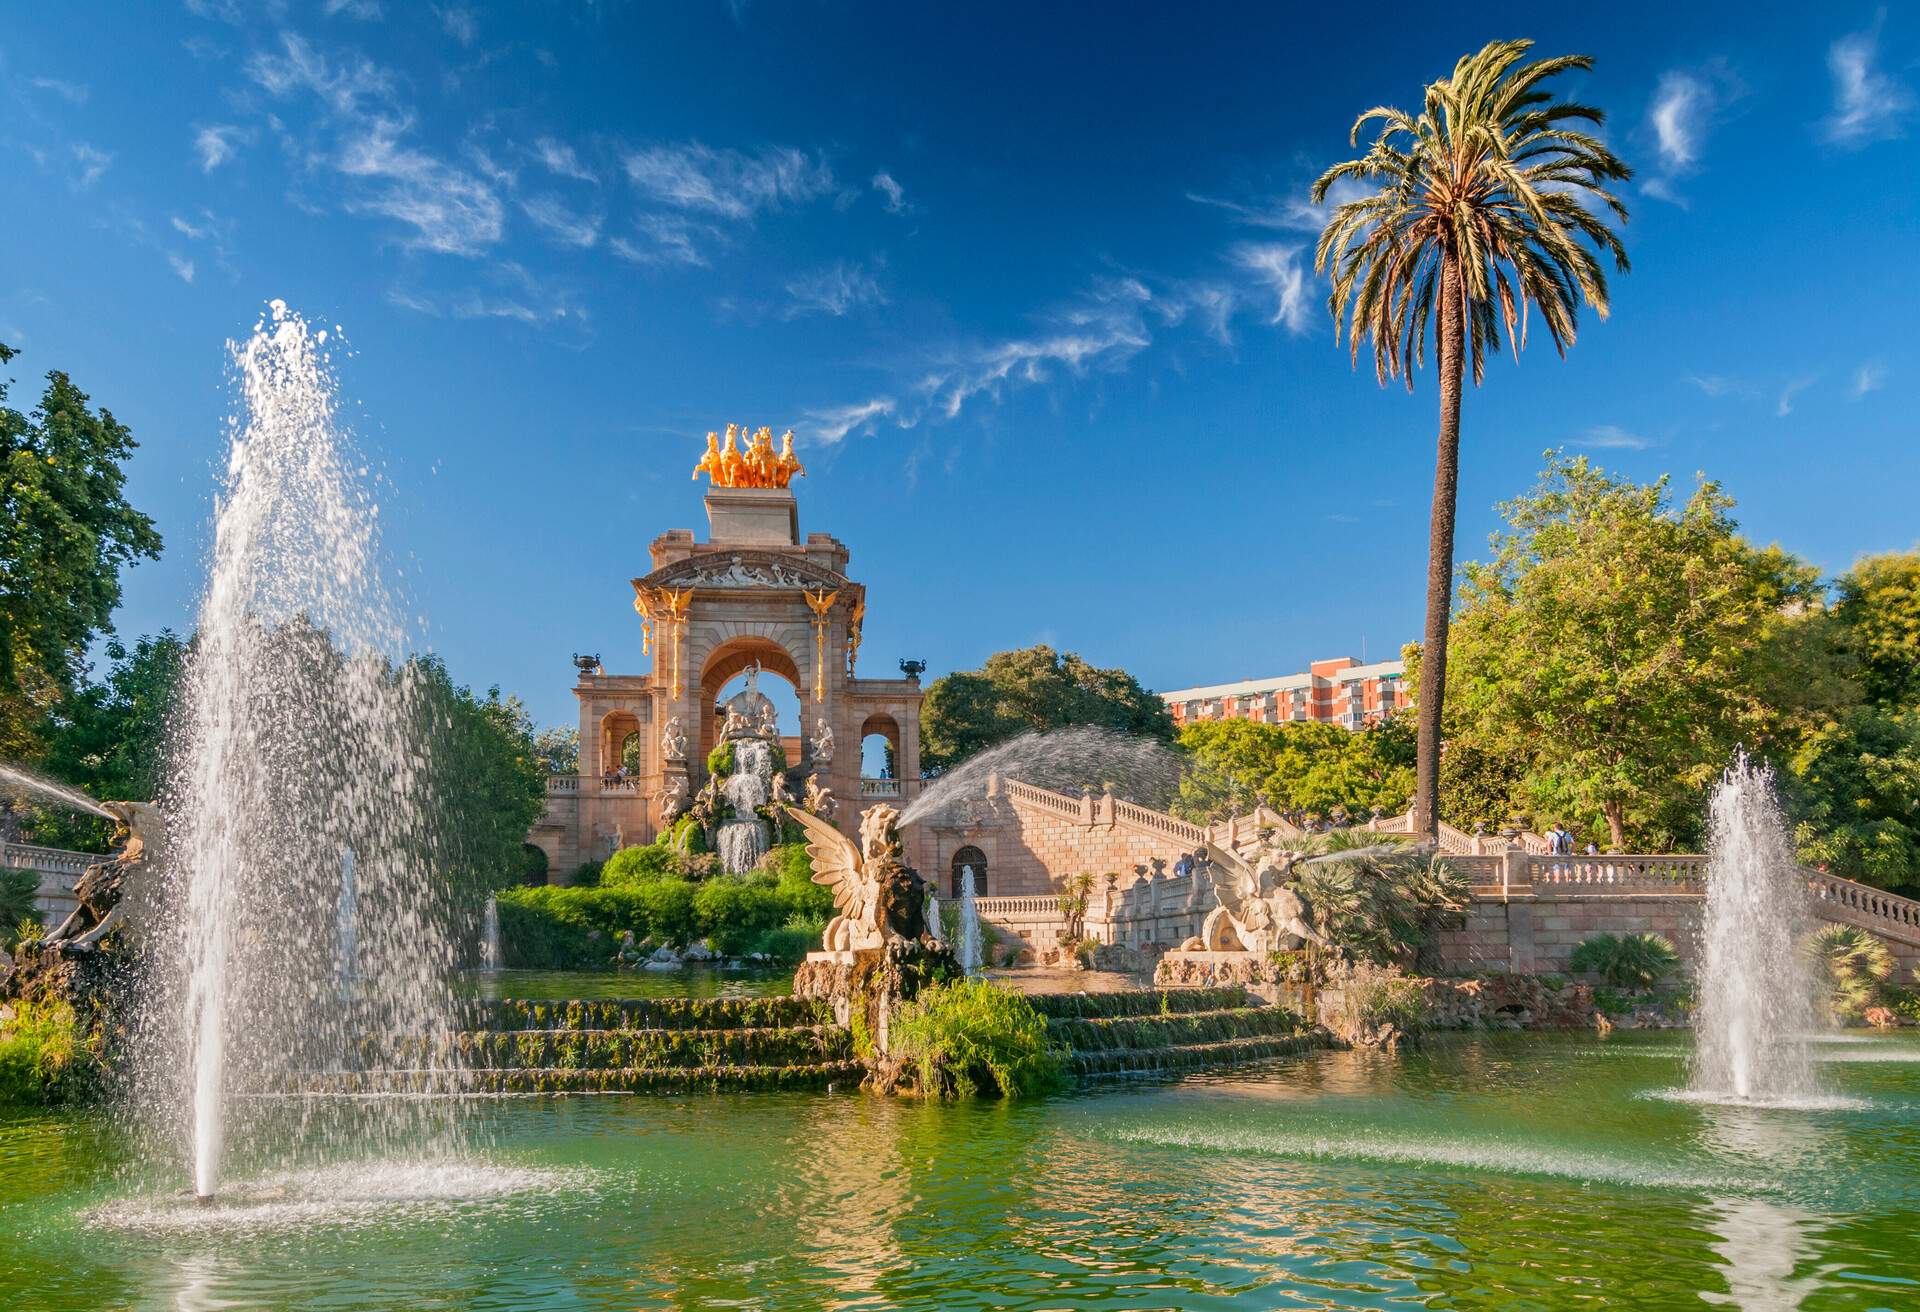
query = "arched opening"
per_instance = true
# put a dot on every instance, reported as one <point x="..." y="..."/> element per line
<point x="970" y="857"/>
<point x="725" y="674"/>
<point x="621" y="746"/>
<point x="880" y="748"/>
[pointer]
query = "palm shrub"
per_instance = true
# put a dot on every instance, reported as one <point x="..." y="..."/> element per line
<point x="1855" y="965"/>
<point x="17" y="889"/>
<point x="971" y="1037"/>
<point x="1489" y="204"/>
<point x="1626" y="961"/>
<point x="1379" y="903"/>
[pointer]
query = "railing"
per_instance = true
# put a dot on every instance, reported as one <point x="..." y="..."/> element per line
<point x="1141" y="817"/>
<point x="559" y="785"/>
<point x="1482" y="871"/>
<point x="879" y="787"/>
<point x="1887" y="910"/>
<point x="1040" y="908"/>
<point x="1575" y="873"/>
<point x="1045" y="798"/>
<point x="50" y="860"/>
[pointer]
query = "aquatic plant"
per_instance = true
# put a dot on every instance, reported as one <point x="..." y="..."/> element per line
<point x="971" y="1037"/>
<point x="45" y="1054"/>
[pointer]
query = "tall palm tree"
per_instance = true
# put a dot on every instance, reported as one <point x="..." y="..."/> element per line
<point x="1488" y="203"/>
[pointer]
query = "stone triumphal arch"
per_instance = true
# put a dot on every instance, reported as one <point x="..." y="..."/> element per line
<point x="755" y="593"/>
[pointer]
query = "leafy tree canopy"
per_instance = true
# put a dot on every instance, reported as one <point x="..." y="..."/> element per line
<point x="1033" y="688"/>
<point x="66" y="531"/>
<point x="559" y="748"/>
<point x="110" y="737"/>
<point x="1621" y="647"/>
<point x="1855" y="795"/>
<point x="1879" y="615"/>
<point x="1294" y="766"/>
<point x="489" y="782"/>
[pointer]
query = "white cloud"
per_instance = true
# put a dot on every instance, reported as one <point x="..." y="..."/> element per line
<point x="88" y="164"/>
<point x="1712" y="384"/>
<point x="560" y="159"/>
<point x="459" y="23"/>
<point x="1678" y="114"/>
<point x="74" y="93"/>
<point x="1611" y="437"/>
<point x="349" y="88"/>
<point x="1869" y="377"/>
<point x="1278" y="265"/>
<point x="731" y="184"/>
<point x="1785" y="405"/>
<point x="895" y="196"/>
<point x="1867" y="104"/>
<point x="1296" y="213"/>
<point x="563" y="224"/>
<point x="834" y="290"/>
<point x="411" y="300"/>
<point x="366" y="11"/>
<point x="670" y="240"/>
<point x="218" y="144"/>
<point x="451" y="211"/>
<point x="181" y="266"/>
<point x="832" y="425"/>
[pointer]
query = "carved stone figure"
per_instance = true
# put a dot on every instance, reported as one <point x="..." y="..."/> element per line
<point x="1258" y="912"/>
<point x="737" y="725"/>
<point x="822" y="741"/>
<point x="99" y="892"/>
<point x="879" y="900"/>
<point x="673" y="741"/>
<point x="769" y="726"/>
<point x="819" y="798"/>
<point x="672" y="798"/>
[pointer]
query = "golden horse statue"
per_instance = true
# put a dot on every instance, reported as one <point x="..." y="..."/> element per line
<point x="758" y="465"/>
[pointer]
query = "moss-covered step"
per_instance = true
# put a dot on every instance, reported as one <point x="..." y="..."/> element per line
<point x="1152" y="1002"/>
<point x="650" y="1079"/>
<point x="1195" y="1056"/>
<point x="646" y="1014"/>
<point x="1104" y="1033"/>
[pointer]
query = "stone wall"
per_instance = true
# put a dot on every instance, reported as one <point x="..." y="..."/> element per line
<point x="1536" y="935"/>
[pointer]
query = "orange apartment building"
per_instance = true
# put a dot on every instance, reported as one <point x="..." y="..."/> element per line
<point x="1339" y="691"/>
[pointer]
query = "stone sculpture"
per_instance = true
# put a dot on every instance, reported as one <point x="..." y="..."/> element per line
<point x="1259" y="912"/>
<point x="769" y="720"/>
<point x="99" y="892"/>
<point x="822" y="741"/>
<point x="673" y="741"/>
<point x="672" y="798"/>
<point x="879" y="900"/>
<point x="819" y="798"/>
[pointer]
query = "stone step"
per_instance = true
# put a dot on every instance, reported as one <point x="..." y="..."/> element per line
<point x="599" y="1049"/>
<point x="1194" y="1056"/>
<point x="1156" y="1002"/>
<point x="1096" y="1034"/>
<point x="645" y="1014"/>
<point x="829" y="1075"/>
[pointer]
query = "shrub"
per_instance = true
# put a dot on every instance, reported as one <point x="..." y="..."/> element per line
<point x="533" y="865"/>
<point x="1381" y="902"/>
<point x="736" y="912"/>
<point x="1626" y="961"/>
<point x="1612" y="1001"/>
<point x="1383" y="999"/>
<point x="586" y="874"/>
<point x="1855" y="964"/>
<point x="43" y="1057"/>
<point x="971" y="1037"/>
<point x="636" y="865"/>
<point x="17" y="888"/>
<point x="720" y="759"/>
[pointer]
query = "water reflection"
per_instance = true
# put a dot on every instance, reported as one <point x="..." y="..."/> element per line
<point x="1761" y="1245"/>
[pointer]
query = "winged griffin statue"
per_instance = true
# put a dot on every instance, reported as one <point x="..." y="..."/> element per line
<point x="879" y="900"/>
<point x="1258" y="911"/>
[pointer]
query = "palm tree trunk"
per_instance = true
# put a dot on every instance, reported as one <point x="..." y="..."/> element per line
<point x="1446" y="488"/>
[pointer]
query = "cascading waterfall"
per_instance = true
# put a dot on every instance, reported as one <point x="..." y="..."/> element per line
<point x="969" y="931"/>
<point x="743" y="840"/>
<point x="490" y="935"/>
<point x="1756" y="993"/>
<point x="296" y="733"/>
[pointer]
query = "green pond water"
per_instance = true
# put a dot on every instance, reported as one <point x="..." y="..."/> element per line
<point x="1515" y="1171"/>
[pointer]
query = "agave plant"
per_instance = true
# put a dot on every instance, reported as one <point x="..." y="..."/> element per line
<point x="1626" y="961"/>
<point x="1856" y="964"/>
<point x="1378" y="902"/>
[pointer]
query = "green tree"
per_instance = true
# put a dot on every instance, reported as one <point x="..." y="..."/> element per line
<point x="489" y="783"/>
<point x="1033" y="688"/>
<point x="1233" y="765"/>
<point x="1879" y="615"/>
<point x="1855" y="797"/>
<point x="559" y="748"/>
<point x="66" y="531"/>
<point x="1487" y="205"/>
<point x="110" y="737"/>
<point x="1621" y="647"/>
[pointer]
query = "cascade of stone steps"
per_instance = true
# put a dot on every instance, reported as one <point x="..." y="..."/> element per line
<point x="1178" y="1029"/>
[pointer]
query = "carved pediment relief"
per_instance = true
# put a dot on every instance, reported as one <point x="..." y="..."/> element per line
<point x="742" y="569"/>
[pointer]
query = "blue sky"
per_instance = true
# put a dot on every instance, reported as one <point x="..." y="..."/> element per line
<point x="1032" y="284"/>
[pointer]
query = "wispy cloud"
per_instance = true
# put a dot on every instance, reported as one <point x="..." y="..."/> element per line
<point x="181" y="265"/>
<point x="1294" y="213"/>
<point x="893" y="195"/>
<point x="560" y="159"/>
<point x="1713" y="384"/>
<point x="1868" y="105"/>
<point x="217" y="144"/>
<point x="1611" y="437"/>
<point x="834" y="290"/>
<point x="1686" y="106"/>
<point x="664" y="239"/>
<point x="89" y="162"/>
<point x="74" y="93"/>
<point x="1279" y="266"/>
<point x="1784" y="406"/>
<point x="561" y="223"/>
<point x="366" y="11"/>
<point x="460" y="24"/>
<point x="1869" y="377"/>
<point x="832" y="425"/>
<point x="729" y="184"/>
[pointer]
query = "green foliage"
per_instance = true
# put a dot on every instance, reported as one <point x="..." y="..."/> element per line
<point x="1612" y="1002"/>
<point x="1879" y="615"/>
<point x="109" y="738"/>
<point x="638" y="865"/>
<point x="17" y="888"/>
<point x="1379" y="904"/>
<point x="720" y="759"/>
<point x="1854" y="794"/>
<point x="559" y="749"/>
<point x="45" y="1057"/>
<point x="1034" y="688"/>
<point x="972" y="1037"/>
<point x="1297" y="765"/>
<point x="1616" y="649"/>
<point x="586" y="874"/>
<point x="1481" y="787"/>
<point x="1382" y="999"/>
<point x="1854" y="963"/>
<point x="1626" y="961"/>
<point x="66" y="532"/>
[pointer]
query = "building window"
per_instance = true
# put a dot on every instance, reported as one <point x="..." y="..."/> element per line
<point x="973" y="857"/>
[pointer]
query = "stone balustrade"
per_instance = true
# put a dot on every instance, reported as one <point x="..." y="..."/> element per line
<point x="562" y="785"/>
<point x="1628" y="873"/>
<point x="880" y="787"/>
<point x="59" y="869"/>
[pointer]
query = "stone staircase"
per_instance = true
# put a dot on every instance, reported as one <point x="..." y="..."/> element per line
<point x="1108" y="1034"/>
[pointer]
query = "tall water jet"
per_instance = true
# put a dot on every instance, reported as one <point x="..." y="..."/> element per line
<point x="347" y="926"/>
<point x="490" y="935"/>
<point x="296" y="733"/>
<point x="1756" y="992"/>
<point x="968" y="933"/>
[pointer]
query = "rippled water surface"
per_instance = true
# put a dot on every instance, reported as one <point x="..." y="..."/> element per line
<point x="1510" y="1172"/>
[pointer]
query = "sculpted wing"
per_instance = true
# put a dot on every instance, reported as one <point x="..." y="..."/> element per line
<point x="836" y="860"/>
<point x="1233" y="880"/>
